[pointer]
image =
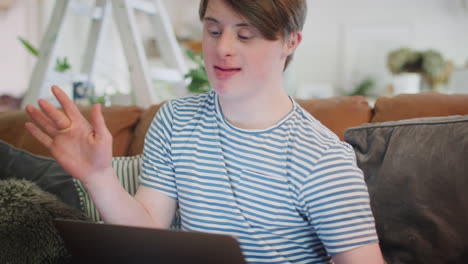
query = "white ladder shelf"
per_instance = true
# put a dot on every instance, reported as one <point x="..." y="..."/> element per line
<point x="124" y="15"/>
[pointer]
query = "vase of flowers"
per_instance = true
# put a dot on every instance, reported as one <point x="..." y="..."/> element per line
<point x="407" y="82"/>
<point x="429" y="66"/>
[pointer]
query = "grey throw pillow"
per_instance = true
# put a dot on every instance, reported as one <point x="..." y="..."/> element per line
<point x="417" y="174"/>
<point x="45" y="172"/>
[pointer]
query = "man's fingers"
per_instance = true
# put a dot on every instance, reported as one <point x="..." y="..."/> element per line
<point x="68" y="106"/>
<point x="43" y="121"/>
<point x="38" y="134"/>
<point x="97" y="120"/>
<point x="59" y="119"/>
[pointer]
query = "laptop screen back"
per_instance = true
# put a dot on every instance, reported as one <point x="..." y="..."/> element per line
<point x="104" y="243"/>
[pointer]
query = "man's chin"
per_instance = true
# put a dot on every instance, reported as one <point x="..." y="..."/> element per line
<point x="220" y="89"/>
<point x="230" y="94"/>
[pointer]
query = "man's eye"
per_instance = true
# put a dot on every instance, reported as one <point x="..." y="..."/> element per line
<point x="242" y="37"/>
<point x="215" y="33"/>
<point x="245" y="34"/>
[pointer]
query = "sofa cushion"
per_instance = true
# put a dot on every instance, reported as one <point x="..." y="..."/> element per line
<point x="136" y="146"/>
<point x="406" y="106"/>
<point x="338" y="113"/>
<point x="417" y="174"/>
<point x="27" y="232"/>
<point x="44" y="171"/>
<point x="120" y="120"/>
<point x="127" y="170"/>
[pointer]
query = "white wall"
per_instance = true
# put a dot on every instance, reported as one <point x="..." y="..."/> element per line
<point x="15" y="62"/>
<point x="344" y="41"/>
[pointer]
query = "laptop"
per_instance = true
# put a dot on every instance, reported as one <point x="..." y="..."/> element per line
<point x="90" y="242"/>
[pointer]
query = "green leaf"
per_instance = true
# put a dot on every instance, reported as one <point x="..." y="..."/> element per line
<point x="29" y="46"/>
<point x="198" y="60"/>
<point x="198" y="86"/>
<point x="97" y="100"/>
<point x="199" y="74"/>
<point x="199" y="82"/>
<point x="190" y="54"/>
<point x="62" y="65"/>
<point x="364" y="87"/>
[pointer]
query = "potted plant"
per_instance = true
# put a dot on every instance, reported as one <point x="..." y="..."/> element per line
<point x="199" y="82"/>
<point x="413" y="69"/>
<point x="81" y="87"/>
<point x="61" y="65"/>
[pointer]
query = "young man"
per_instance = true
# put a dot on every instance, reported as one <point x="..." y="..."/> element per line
<point x="243" y="159"/>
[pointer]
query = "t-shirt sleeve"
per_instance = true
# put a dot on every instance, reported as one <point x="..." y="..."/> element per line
<point x="336" y="201"/>
<point x="157" y="168"/>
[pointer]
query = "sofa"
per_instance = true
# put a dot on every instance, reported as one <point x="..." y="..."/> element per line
<point x="412" y="148"/>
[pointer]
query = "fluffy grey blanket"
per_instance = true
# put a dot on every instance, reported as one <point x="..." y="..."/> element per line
<point x="27" y="232"/>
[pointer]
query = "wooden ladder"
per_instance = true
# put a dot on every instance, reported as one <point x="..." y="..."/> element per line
<point x="123" y="11"/>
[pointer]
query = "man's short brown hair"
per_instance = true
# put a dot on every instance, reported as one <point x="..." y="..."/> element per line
<point x="273" y="18"/>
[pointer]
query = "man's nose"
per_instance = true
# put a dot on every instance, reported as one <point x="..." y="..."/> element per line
<point x="226" y="45"/>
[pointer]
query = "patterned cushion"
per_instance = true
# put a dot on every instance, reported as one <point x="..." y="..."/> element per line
<point x="127" y="170"/>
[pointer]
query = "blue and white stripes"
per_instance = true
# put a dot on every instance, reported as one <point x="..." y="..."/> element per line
<point x="290" y="193"/>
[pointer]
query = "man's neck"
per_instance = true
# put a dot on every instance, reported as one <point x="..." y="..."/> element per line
<point x="257" y="112"/>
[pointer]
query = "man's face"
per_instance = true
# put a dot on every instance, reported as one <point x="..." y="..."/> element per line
<point x="239" y="61"/>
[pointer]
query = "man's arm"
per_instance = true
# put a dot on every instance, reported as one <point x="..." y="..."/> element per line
<point x="148" y="208"/>
<point x="84" y="150"/>
<point x="367" y="254"/>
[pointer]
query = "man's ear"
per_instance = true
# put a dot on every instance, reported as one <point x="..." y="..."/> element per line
<point x="292" y="42"/>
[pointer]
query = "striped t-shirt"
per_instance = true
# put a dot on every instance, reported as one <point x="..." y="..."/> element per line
<point x="290" y="193"/>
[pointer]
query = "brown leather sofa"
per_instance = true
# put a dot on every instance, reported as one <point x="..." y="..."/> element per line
<point x="128" y="124"/>
<point x="412" y="148"/>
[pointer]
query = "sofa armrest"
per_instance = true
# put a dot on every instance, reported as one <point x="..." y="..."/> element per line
<point x="406" y="106"/>
<point x="121" y="121"/>
<point x="138" y="140"/>
<point x="339" y="113"/>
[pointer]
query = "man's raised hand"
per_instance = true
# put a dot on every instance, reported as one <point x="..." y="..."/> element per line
<point x="83" y="149"/>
